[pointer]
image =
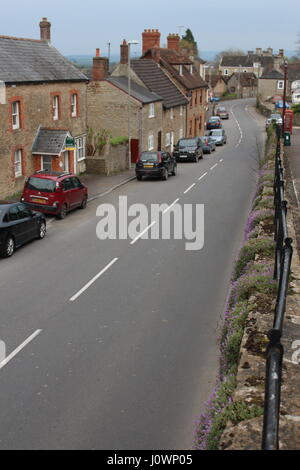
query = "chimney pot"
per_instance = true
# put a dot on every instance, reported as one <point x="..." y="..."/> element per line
<point x="45" y="30"/>
<point x="150" y="39"/>
<point x="100" y="67"/>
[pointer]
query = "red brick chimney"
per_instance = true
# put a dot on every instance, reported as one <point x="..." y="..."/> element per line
<point x="151" y="38"/>
<point x="100" y="67"/>
<point x="45" y="28"/>
<point x="173" y="42"/>
<point x="124" y="52"/>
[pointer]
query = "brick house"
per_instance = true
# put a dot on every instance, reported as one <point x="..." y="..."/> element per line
<point x="149" y="74"/>
<point x="243" y="84"/>
<point x="251" y="62"/>
<point x="183" y="72"/>
<point x="42" y="102"/>
<point x="107" y="98"/>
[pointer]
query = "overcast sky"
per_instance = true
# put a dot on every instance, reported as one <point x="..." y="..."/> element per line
<point x="78" y="27"/>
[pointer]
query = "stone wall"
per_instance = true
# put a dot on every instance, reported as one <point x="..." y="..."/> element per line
<point x="113" y="159"/>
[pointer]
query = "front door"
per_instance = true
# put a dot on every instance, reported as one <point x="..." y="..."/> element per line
<point x="66" y="161"/>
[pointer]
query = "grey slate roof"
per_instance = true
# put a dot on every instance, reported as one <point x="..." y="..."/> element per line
<point x="31" y="60"/>
<point x="158" y="82"/>
<point x="49" y="141"/>
<point x="137" y="91"/>
<point x="245" y="60"/>
<point x="272" y="74"/>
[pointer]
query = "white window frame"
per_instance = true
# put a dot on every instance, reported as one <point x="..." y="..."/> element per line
<point x="80" y="143"/>
<point x="180" y="70"/>
<point x="280" y="84"/>
<point x="74" y="103"/>
<point x="191" y="69"/>
<point x="150" y="142"/>
<point x="181" y="111"/>
<point x="171" y="113"/>
<point x="167" y="139"/>
<point x="18" y="163"/>
<point x="180" y="133"/>
<point x="43" y="164"/>
<point x="55" y="105"/>
<point x="15" y="112"/>
<point x="151" y="110"/>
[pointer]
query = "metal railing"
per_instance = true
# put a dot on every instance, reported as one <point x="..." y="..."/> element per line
<point x="283" y="257"/>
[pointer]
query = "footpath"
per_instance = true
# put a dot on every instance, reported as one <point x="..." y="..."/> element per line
<point x="99" y="185"/>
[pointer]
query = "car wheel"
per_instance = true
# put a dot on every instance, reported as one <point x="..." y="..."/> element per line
<point x="174" y="172"/>
<point x="63" y="212"/>
<point x="42" y="231"/>
<point x="165" y="175"/>
<point x="139" y="177"/>
<point x="9" y="247"/>
<point x="84" y="203"/>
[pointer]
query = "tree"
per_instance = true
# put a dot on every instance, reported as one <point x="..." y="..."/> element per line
<point x="188" y="42"/>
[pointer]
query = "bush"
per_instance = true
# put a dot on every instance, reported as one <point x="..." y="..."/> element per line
<point x="118" y="141"/>
<point x="249" y="250"/>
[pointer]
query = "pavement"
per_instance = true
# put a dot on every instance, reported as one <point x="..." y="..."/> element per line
<point x="100" y="185"/>
<point x="293" y="154"/>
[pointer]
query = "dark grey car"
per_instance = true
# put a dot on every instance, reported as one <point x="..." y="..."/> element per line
<point x="19" y="225"/>
<point x="188" y="149"/>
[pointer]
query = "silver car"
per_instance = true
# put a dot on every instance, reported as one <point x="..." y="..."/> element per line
<point x="275" y="118"/>
<point x="218" y="135"/>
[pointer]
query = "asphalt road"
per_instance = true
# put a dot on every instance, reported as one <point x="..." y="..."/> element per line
<point x="129" y="362"/>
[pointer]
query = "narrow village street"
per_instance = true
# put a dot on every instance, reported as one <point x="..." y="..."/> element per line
<point x="128" y="362"/>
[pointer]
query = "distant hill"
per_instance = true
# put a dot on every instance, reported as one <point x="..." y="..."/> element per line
<point x="85" y="60"/>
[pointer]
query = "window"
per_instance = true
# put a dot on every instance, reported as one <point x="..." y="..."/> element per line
<point x="74" y="102"/>
<point x="171" y="113"/>
<point x="15" y="115"/>
<point x="46" y="162"/>
<point x="181" y="111"/>
<point x="180" y="133"/>
<point x="80" y="148"/>
<point x="18" y="163"/>
<point x="180" y="70"/>
<point x="280" y="84"/>
<point x="55" y="106"/>
<point x="151" y="110"/>
<point x="24" y="211"/>
<point x="196" y="98"/>
<point x="167" y="139"/>
<point x="67" y="184"/>
<point x="191" y="69"/>
<point x="151" y="142"/>
<point x="225" y="71"/>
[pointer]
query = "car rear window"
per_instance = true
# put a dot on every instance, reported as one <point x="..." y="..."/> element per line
<point x="187" y="143"/>
<point x="216" y="132"/>
<point x="147" y="156"/>
<point x="41" y="184"/>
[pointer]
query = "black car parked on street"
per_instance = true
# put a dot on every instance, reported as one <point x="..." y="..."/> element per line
<point x="160" y="164"/>
<point x="188" y="149"/>
<point x="19" y="225"/>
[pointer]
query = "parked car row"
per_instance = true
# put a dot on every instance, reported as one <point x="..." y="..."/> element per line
<point x="162" y="164"/>
<point x="44" y="192"/>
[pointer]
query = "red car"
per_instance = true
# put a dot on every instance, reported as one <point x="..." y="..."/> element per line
<point x="214" y="122"/>
<point x="54" y="193"/>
